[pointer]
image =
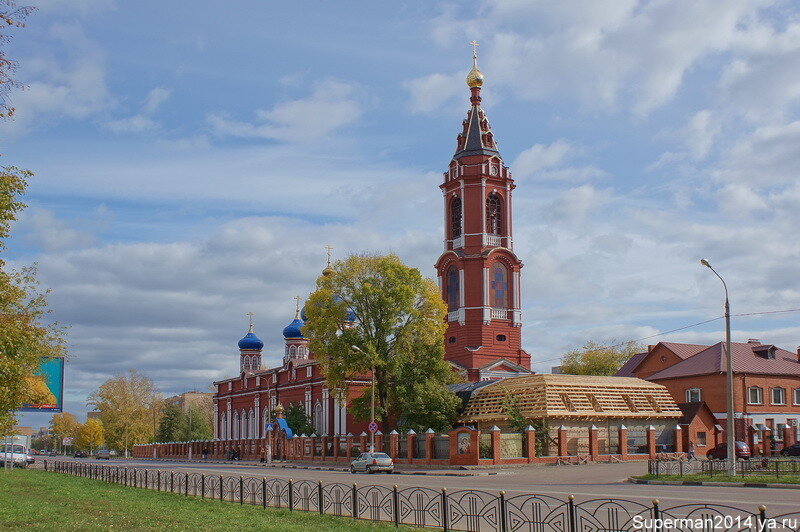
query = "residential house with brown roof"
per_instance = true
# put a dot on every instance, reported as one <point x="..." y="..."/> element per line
<point x="766" y="382"/>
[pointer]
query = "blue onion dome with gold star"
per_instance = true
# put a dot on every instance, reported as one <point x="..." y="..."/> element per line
<point x="251" y="341"/>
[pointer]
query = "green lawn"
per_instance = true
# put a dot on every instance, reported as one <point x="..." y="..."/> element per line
<point x="719" y="477"/>
<point x="32" y="499"/>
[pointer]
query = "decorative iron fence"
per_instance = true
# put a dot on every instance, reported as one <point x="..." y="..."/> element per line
<point x="468" y="510"/>
<point x="767" y="467"/>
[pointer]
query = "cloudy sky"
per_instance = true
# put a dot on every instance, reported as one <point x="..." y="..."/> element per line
<point x="192" y="160"/>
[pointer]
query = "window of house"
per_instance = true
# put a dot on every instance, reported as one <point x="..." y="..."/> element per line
<point x="455" y="217"/>
<point x="309" y="371"/>
<point x="494" y="218"/>
<point x="501" y="337"/>
<point x="754" y="395"/>
<point x="701" y="438"/>
<point x="778" y="434"/>
<point x="778" y="396"/>
<point x="797" y="396"/>
<point x="452" y="339"/>
<point x="453" y="289"/>
<point x="694" y="395"/>
<point x="499" y="286"/>
<point x="274" y="377"/>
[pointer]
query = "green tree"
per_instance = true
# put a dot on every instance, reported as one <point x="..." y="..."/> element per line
<point x="297" y="419"/>
<point x="598" y="359"/>
<point x="198" y="424"/>
<point x="172" y="424"/>
<point x="374" y="312"/>
<point x="90" y="435"/>
<point x="129" y="406"/>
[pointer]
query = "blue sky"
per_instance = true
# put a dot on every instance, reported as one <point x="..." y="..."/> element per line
<point x="192" y="161"/>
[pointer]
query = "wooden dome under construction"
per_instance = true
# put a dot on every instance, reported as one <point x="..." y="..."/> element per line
<point x="585" y="397"/>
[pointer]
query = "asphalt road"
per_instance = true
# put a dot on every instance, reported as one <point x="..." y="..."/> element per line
<point x="584" y="482"/>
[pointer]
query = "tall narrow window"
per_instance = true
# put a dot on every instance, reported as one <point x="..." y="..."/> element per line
<point x="499" y="286"/>
<point x="453" y="289"/>
<point x="494" y="217"/>
<point x="455" y="217"/>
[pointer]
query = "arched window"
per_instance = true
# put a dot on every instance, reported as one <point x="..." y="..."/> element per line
<point x="455" y="217"/>
<point x="498" y="286"/>
<point x="253" y="424"/>
<point x="494" y="217"/>
<point x="224" y="428"/>
<point x="292" y="352"/>
<point x="453" y="289"/>
<point x="235" y="426"/>
<point x="243" y="431"/>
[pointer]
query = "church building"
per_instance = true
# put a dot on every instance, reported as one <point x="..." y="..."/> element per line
<point x="479" y="275"/>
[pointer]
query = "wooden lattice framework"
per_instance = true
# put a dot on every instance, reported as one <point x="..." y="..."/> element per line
<point x="572" y="396"/>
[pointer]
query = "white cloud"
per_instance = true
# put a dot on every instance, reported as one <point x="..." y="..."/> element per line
<point x="331" y="106"/>
<point x="142" y="121"/>
<point x="432" y="92"/>
<point x="42" y="228"/>
<point x="546" y="162"/>
<point x="604" y="54"/>
<point x="66" y="80"/>
<point x="768" y="156"/>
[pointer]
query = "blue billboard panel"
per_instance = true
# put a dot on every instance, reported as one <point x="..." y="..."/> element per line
<point x="47" y="384"/>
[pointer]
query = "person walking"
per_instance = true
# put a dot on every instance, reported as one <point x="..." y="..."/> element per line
<point x="690" y="451"/>
<point x="205" y="453"/>
<point x="263" y="455"/>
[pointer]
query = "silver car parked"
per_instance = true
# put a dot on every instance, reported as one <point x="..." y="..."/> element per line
<point x="372" y="463"/>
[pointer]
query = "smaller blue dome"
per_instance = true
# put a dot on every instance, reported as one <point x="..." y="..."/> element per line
<point x="294" y="329"/>
<point x="251" y="341"/>
<point x="303" y="315"/>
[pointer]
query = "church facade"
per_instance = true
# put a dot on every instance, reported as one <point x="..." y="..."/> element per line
<point x="479" y="275"/>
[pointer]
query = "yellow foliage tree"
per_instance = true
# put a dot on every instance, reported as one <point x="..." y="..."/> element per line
<point x="63" y="425"/>
<point x="91" y="435"/>
<point x="129" y="407"/>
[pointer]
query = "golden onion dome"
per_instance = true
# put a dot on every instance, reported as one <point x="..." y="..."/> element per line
<point x="475" y="77"/>
<point x="328" y="271"/>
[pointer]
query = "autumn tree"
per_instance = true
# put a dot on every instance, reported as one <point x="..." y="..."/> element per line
<point x="129" y="406"/>
<point x="24" y="336"/>
<point x="90" y="435"/>
<point x="598" y="359"/>
<point x="374" y="312"/>
<point x="63" y="425"/>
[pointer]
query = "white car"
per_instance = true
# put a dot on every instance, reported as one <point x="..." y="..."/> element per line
<point x="372" y="463"/>
<point x="15" y="454"/>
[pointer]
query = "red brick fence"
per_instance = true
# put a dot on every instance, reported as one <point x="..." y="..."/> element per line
<point x="462" y="446"/>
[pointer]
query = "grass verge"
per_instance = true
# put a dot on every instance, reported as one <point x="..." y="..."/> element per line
<point x="749" y="479"/>
<point x="38" y="500"/>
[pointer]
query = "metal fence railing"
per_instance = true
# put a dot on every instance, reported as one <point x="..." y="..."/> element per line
<point x="768" y="467"/>
<point x="466" y="509"/>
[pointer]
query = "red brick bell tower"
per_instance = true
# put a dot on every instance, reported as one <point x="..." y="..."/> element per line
<point x="478" y="272"/>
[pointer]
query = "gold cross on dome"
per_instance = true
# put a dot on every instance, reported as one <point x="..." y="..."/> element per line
<point x="296" y="307"/>
<point x="250" y="315"/>
<point x="474" y="45"/>
<point x="329" y="249"/>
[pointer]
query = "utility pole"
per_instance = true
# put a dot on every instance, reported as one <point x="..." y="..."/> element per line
<point x="372" y="415"/>
<point x="731" y="432"/>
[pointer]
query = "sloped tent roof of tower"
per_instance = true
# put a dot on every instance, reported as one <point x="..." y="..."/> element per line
<point x="572" y="396"/>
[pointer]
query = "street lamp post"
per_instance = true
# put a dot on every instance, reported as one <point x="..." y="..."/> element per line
<point x="372" y="404"/>
<point x="731" y="436"/>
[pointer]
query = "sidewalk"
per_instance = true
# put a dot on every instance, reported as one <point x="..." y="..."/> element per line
<point x="399" y="469"/>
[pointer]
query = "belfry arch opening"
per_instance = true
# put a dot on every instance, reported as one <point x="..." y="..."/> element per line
<point x="494" y="214"/>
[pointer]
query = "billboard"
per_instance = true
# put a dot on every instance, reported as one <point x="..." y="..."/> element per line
<point x="48" y="385"/>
